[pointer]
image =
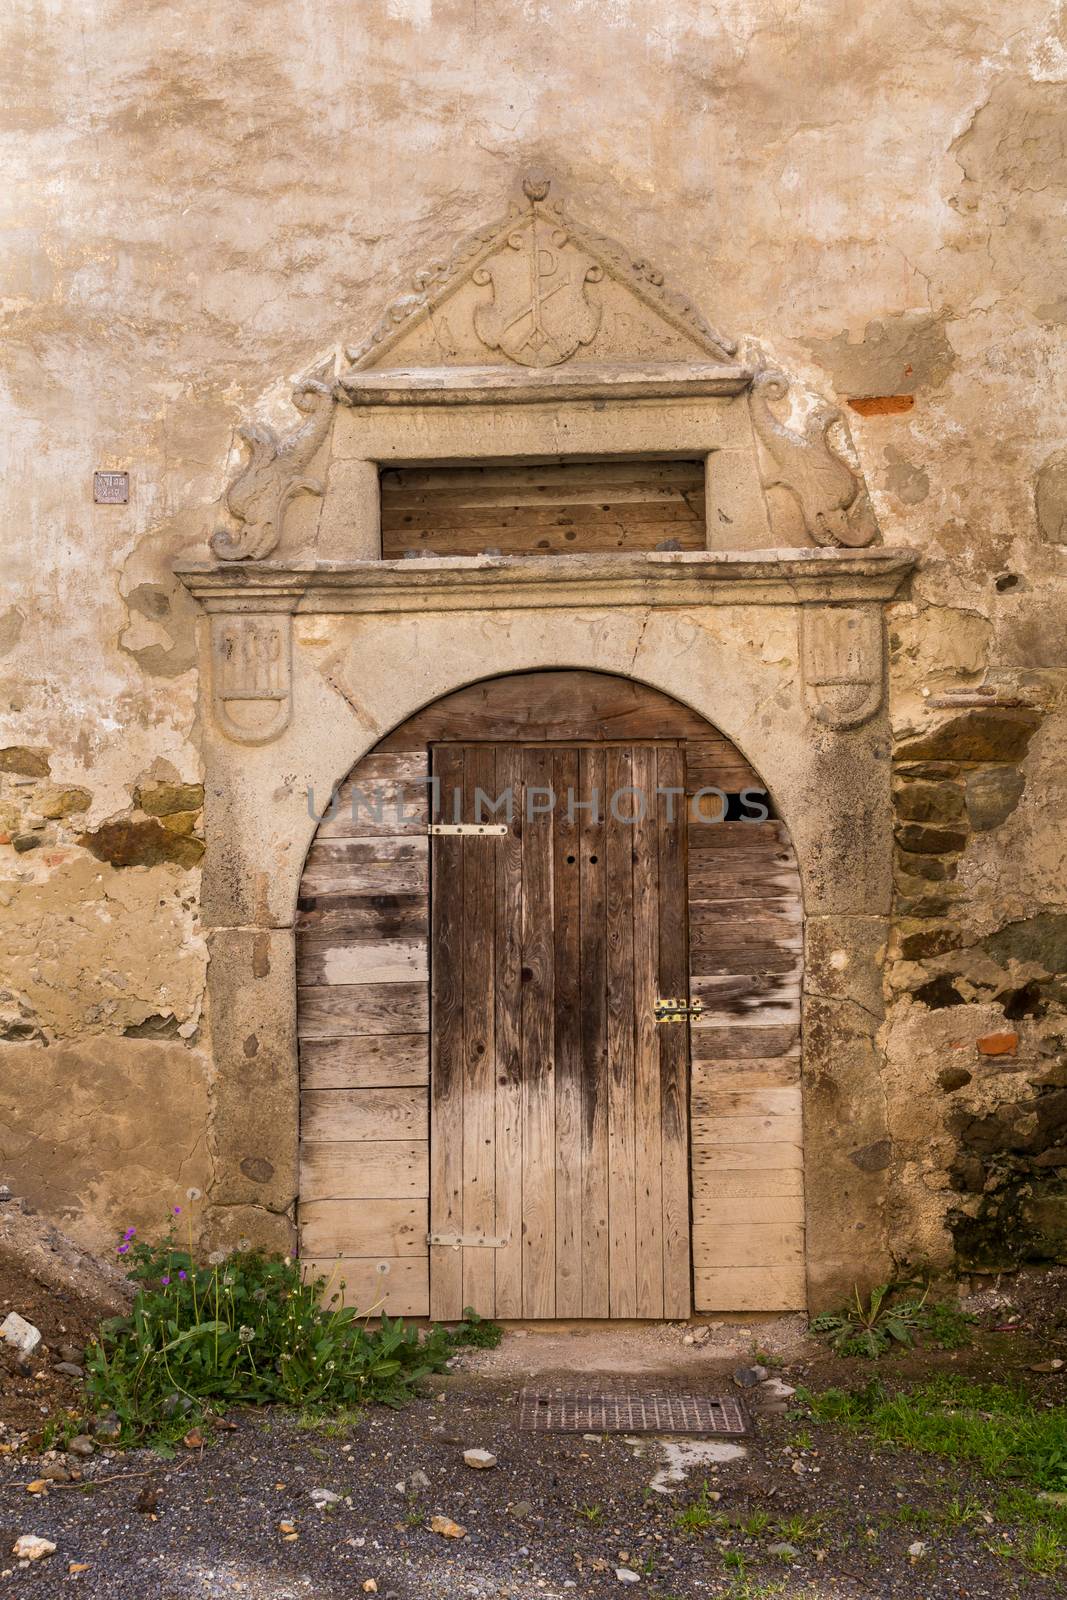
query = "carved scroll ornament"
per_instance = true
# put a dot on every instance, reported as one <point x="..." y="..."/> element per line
<point x="842" y="663"/>
<point x="274" y="474"/>
<point x="832" y="498"/>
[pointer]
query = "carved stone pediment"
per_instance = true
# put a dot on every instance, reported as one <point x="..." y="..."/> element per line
<point x="535" y="289"/>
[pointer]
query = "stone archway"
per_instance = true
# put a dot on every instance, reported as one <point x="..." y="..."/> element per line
<point x="314" y="647"/>
<point x="581" y="1150"/>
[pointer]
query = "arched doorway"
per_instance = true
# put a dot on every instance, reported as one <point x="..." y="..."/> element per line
<point x="491" y="1113"/>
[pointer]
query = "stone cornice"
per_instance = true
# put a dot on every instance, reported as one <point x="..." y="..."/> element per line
<point x="580" y="380"/>
<point x="475" y="583"/>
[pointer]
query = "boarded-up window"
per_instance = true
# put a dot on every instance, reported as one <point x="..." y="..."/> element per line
<point x="553" y="508"/>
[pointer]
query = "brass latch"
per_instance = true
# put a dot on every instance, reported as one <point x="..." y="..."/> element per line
<point x="673" y="1010"/>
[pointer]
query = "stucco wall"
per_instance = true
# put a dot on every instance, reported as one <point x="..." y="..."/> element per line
<point x="203" y="198"/>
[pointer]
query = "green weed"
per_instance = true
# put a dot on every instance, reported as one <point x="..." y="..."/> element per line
<point x="995" y="1426"/>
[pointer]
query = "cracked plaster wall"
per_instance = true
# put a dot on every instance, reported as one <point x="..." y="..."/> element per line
<point x="203" y="198"/>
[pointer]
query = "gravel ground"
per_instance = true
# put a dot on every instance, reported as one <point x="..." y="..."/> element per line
<point x="556" y="1517"/>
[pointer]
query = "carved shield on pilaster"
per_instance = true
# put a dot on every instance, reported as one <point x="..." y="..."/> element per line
<point x="252" y="673"/>
<point x="842" y="663"/>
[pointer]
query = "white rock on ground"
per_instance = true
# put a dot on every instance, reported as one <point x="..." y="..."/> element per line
<point x="627" y="1575"/>
<point x="28" y="1547"/>
<point x="481" y="1460"/>
<point x="20" y="1333"/>
<point x="324" y="1497"/>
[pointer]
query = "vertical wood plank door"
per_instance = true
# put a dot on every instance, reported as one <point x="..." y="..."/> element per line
<point x="559" y="1133"/>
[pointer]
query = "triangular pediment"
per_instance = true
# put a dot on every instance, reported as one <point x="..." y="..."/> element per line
<point x="535" y="289"/>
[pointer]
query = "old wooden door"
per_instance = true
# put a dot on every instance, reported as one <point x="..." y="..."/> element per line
<point x="559" y="1169"/>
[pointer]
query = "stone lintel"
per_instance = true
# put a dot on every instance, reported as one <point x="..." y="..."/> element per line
<point x="473" y="583"/>
<point x="581" y="380"/>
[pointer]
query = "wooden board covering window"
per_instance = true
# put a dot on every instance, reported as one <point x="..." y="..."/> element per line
<point x="364" y="1004"/>
<point x="554" y="509"/>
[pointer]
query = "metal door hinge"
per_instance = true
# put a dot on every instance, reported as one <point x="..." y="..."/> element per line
<point x="468" y="1241"/>
<point x="496" y="828"/>
<point x="672" y="1010"/>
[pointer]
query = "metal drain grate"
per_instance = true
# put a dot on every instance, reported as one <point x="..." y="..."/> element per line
<point x="562" y="1411"/>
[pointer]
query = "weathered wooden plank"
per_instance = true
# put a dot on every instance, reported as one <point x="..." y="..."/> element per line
<point x="715" y="879"/>
<point x="363" y="1227"/>
<point x="751" y="997"/>
<point x="446" y="1053"/>
<point x="507" y="988"/>
<point x="715" y="1128"/>
<point x="767" y="1155"/>
<point x="542" y="706"/>
<point x="491" y="478"/>
<point x="538" y="1065"/>
<point x="364" y="916"/>
<point x="329" y="959"/>
<point x="394" y="1286"/>
<point x="728" y="1040"/>
<point x="592" y="1000"/>
<point x="647" y="1113"/>
<point x="747" y="1244"/>
<point x="767" y="957"/>
<point x="330" y="1011"/>
<point x="721" y="1211"/>
<point x="715" y="1183"/>
<point x="364" y="1170"/>
<point x="622" y="1220"/>
<point x="752" y="1073"/>
<point x="479" y="1043"/>
<point x="368" y="1061"/>
<point x="368" y="808"/>
<point x="357" y="866"/>
<point x="745" y="1098"/>
<point x="569" y="1003"/>
<point x="763" y="1288"/>
<point x="327" y="1115"/>
<point x="673" y="1040"/>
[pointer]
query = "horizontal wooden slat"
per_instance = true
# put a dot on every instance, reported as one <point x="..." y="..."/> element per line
<point x="364" y="1170"/>
<point x="361" y="1228"/>
<point x="388" y="865"/>
<point x="736" y="1041"/>
<point x="714" y="1128"/>
<point x="756" y="998"/>
<point x="333" y="1011"/>
<point x="327" y="1115"/>
<point x="747" y="1244"/>
<point x="746" y="1098"/>
<point x="495" y="475"/>
<point x="364" y="916"/>
<point x="713" y="1182"/>
<point x="778" y="1288"/>
<point x="368" y="1061"/>
<point x="371" y="808"/>
<point x="328" y="959"/>
<point x="760" y="1073"/>
<point x="766" y="1155"/>
<point x="722" y="1211"/>
<point x="399" y="1286"/>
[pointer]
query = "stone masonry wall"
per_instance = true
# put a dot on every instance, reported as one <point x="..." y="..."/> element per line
<point x="204" y="198"/>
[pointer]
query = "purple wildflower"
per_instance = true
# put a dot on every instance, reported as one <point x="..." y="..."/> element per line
<point x="182" y="1276"/>
<point x="165" y="1282"/>
<point x="123" y="1248"/>
<point x="129" y="1233"/>
<point x="177" y="1211"/>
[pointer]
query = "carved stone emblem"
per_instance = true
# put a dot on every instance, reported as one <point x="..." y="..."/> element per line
<point x="832" y="498"/>
<point x="252" y="670"/>
<point x="842" y="663"/>
<point x="274" y="473"/>
<point x="539" y="313"/>
<point x="538" y="264"/>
